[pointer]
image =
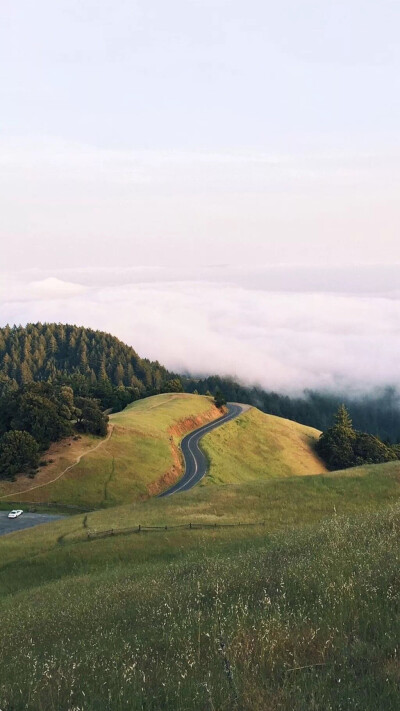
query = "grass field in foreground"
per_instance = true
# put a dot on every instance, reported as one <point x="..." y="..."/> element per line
<point x="306" y="610"/>
<point x="48" y="552"/>
<point x="260" y="446"/>
<point x="300" y="613"/>
<point x="301" y="620"/>
<point x="140" y="458"/>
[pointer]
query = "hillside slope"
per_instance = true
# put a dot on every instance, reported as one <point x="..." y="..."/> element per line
<point x="141" y="456"/>
<point x="50" y="550"/>
<point x="142" y="618"/>
<point x="260" y="446"/>
<point x="138" y="459"/>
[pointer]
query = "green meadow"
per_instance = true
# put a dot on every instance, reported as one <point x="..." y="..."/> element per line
<point x="300" y="611"/>
<point x="225" y="619"/>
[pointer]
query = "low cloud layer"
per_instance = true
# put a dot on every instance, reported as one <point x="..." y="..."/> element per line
<point x="230" y="322"/>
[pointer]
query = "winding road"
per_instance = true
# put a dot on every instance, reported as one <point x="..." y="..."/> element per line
<point x="196" y="463"/>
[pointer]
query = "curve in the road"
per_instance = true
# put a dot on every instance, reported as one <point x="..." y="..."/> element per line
<point x="196" y="463"/>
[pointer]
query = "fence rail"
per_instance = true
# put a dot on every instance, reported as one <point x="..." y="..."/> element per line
<point x="154" y="529"/>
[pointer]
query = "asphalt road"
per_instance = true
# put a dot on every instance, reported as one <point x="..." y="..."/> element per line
<point x="196" y="464"/>
<point x="26" y="520"/>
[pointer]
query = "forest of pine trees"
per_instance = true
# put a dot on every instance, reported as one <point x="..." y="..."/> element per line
<point x="91" y="362"/>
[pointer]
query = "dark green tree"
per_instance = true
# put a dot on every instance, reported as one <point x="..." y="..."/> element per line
<point x="40" y="410"/>
<point x="370" y="450"/>
<point x="19" y="452"/>
<point x="89" y="417"/>
<point x="343" y="419"/>
<point x="336" y="445"/>
<point x="219" y="399"/>
<point x="173" y="386"/>
<point x="341" y="447"/>
<point x="59" y="352"/>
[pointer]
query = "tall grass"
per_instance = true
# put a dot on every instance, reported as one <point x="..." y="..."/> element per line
<point x="295" y="621"/>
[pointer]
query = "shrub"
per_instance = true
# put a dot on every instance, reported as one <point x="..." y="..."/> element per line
<point x="341" y="447"/>
<point x="19" y="452"/>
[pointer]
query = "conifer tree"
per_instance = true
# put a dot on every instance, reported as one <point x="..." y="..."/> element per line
<point x="343" y="419"/>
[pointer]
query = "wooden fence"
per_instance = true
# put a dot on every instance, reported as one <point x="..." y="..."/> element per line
<point x="154" y="529"/>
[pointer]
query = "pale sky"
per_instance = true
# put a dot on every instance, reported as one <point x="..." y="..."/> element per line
<point x="147" y="132"/>
<point x="216" y="182"/>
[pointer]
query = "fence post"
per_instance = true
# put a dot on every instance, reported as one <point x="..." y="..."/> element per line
<point x="139" y="528"/>
<point x="166" y="528"/>
<point x="190" y="525"/>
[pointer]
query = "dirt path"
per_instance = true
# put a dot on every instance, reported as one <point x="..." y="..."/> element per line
<point x="160" y="404"/>
<point x="71" y="466"/>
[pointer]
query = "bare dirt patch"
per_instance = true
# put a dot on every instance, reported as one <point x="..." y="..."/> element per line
<point x="59" y="457"/>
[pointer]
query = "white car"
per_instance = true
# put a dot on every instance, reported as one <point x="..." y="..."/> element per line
<point x="15" y="513"/>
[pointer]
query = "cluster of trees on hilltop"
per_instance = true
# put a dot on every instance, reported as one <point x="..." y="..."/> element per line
<point x="377" y="413"/>
<point x="341" y="446"/>
<point x="35" y="415"/>
<point x="92" y="363"/>
<point x="57" y="379"/>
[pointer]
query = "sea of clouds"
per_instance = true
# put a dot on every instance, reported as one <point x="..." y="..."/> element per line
<point x="283" y="328"/>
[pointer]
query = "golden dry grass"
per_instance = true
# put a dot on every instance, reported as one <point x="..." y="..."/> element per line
<point x="260" y="446"/>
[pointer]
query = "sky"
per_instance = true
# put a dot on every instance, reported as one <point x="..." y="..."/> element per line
<point x="208" y="179"/>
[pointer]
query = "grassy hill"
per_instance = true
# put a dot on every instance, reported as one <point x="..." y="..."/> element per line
<point x="262" y="446"/>
<point x="141" y="455"/>
<point x="139" y="458"/>
<point x="304" y="619"/>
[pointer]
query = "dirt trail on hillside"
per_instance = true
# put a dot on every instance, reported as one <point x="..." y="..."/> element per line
<point x="67" y="469"/>
<point x="160" y="404"/>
